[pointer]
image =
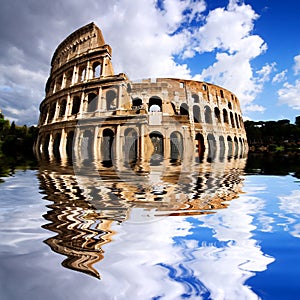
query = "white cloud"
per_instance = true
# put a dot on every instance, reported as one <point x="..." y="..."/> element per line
<point x="279" y="77"/>
<point x="297" y="64"/>
<point x="289" y="94"/>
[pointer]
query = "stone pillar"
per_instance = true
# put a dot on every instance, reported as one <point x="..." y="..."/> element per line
<point x="75" y="75"/>
<point x="99" y="99"/>
<point x="63" y="143"/>
<point x="95" y="143"/>
<point x="82" y="102"/>
<point x="68" y="106"/>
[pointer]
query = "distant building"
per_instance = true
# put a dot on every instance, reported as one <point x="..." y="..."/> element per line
<point x="91" y="112"/>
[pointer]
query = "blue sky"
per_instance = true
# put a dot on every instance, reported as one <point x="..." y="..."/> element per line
<point x="249" y="47"/>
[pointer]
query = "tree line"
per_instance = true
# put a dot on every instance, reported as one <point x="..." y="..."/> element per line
<point x="273" y="136"/>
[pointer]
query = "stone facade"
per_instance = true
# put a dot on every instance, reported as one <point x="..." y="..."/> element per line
<point x="89" y="111"/>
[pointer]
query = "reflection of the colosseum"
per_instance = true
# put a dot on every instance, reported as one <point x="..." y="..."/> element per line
<point x="89" y="196"/>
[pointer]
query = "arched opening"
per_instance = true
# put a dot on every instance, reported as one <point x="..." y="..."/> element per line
<point x="212" y="147"/>
<point x="230" y="146"/>
<point x="137" y="103"/>
<point x="69" y="145"/>
<point x="196" y="114"/>
<point x="76" y="105"/>
<point x="56" y="144"/>
<point x="225" y="116"/>
<point x="51" y="112"/>
<point x="107" y="146"/>
<point x="237" y="121"/>
<point x="222" y="147"/>
<point x="87" y="145"/>
<point x="158" y="145"/>
<point x="176" y="146"/>
<point x="200" y="148"/>
<point x="217" y="115"/>
<point x="58" y="83"/>
<point x="184" y="109"/>
<point x="68" y="78"/>
<point x="45" y="147"/>
<point x="236" y="147"/>
<point x="195" y="98"/>
<point x="232" y="120"/>
<point x="81" y="73"/>
<point x="130" y="145"/>
<point x="221" y="93"/>
<point x="62" y="108"/>
<point x="111" y="100"/>
<point x="155" y="104"/>
<point x="96" y="69"/>
<point x="92" y="102"/>
<point x="241" y="147"/>
<point x="207" y="114"/>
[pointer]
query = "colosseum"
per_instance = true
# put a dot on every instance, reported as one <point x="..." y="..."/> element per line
<point x="89" y="111"/>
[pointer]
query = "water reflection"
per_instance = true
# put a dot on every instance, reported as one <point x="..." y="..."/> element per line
<point x="88" y="197"/>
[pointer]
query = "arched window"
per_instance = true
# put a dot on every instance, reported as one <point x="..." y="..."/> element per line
<point x="68" y="79"/>
<point x="200" y="146"/>
<point x="184" y="109"/>
<point x="212" y="147"/>
<point x="62" y="108"/>
<point x="232" y="120"/>
<point x="222" y="147"/>
<point x="155" y="104"/>
<point x="76" y="105"/>
<point x="92" y="102"/>
<point x="196" y="113"/>
<point x="236" y="147"/>
<point x="69" y="145"/>
<point x="207" y="114"/>
<point x="56" y="144"/>
<point x="137" y="103"/>
<point x="81" y="73"/>
<point x="222" y="93"/>
<point x="176" y="145"/>
<point x="96" y="69"/>
<point x="230" y="146"/>
<point x="195" y="98"/>
<point x="107" y="145"/>
<point x="51" y="112"/>
<point x="86" y="145"/>
<point x="158" y="147"/>
<point x="58" y="84"/>
<point x="225" y="116"/>
<point x="111" y="100"/>
<point x="130" y="145"/>
<point x="217" y="115"/>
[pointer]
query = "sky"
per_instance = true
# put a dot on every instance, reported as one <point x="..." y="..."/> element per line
<point x="250" y="47"/>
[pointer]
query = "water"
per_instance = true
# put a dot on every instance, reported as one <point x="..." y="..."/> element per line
<point x="222" y="230"/>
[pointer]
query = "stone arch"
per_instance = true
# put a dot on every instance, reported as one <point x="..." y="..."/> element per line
<point x="92" y="102"/>
<point x="81" y="73"/>
<point x="217" y="115"/>
<point x="86" y="146"/>
<point x="176" y="145"/>
<point x="62" y="108"/>
<point x="111" y="99"/>
<point x="96" y="69"/>
<point x="184" y="109"/>
<point x="69" y="145"/>
<point x="155" y="104"/>
<point x="222" y="147"/>
<point x="230" y="146"/>
<point x="130" y="145"/>
<point x="207" y="114"/>
<point x="68" y="78"/>
<point x="56" y="144"/>
<point x="196" y="114"/>
<point x="212" y="147"/>
<point x="236" y="147"/>
<point x="225" y="116"/>
<point x="137" y="103"/>
<point x="157" y="140"/>
<point x="58" y="83"/>
<point x="75" y="105"/>
<point x="195" y="98"/>
<point x="232" y="120"/>
<point x="52" y="109"/>
<point x="107" y="145"/>
<point x="200" y="147"/>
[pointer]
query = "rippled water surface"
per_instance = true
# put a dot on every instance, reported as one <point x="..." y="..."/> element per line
<point x="214" y="231"/>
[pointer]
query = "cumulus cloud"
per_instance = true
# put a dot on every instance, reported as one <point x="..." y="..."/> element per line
<point x="279" y="77"/>
<point x="148" y="38"/>
<point x="289" y="94"/>
<point x="297" y="64"/>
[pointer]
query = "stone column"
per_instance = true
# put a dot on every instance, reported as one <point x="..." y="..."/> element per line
<point x="68" y="107"/>
<point x="75" y="75"/>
